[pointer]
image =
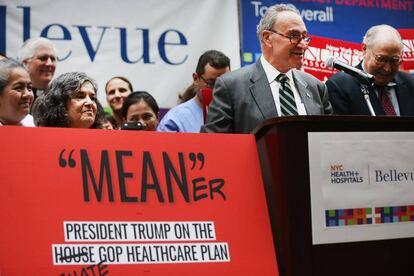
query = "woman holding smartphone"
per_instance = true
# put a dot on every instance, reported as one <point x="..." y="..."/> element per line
<point x="140" y="111"/>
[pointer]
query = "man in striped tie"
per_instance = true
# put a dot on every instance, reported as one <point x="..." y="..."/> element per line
<point x="272" y="86"/>
<point x="286" y="96"/>
<point x="393" y="92"/>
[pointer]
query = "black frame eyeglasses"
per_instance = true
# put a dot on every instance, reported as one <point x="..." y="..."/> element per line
<point x="393" y="61"/>
<point x="294" y="39"/>
<point x="209" y="83"/>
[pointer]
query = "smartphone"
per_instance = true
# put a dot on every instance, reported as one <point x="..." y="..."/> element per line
<point x="132" y="126"/>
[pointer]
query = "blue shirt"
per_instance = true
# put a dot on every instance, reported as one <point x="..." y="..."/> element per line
<point x="185" y="117"/>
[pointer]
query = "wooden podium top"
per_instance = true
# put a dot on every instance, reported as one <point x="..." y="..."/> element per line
<point x="337" y="122"/>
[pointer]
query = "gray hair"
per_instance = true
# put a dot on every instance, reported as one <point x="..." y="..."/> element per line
<point x="376" y="32"/>
<point x="6" y="66"/>
<point x="50" y="109"/>
<point x="271" y="16"/>
<point x="30" y="46"/>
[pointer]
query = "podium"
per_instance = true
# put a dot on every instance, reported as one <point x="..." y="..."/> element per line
<point x="284" y="156"/>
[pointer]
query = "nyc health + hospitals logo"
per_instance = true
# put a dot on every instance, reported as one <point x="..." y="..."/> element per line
<point x="342" y="175"/>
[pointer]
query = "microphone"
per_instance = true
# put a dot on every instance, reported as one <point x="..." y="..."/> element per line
<point x="363" y="77"/>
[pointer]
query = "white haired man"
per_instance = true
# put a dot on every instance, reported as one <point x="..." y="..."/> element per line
<point x="392" y="94"/>
<point x="273" y="86"/>
<point x="38" y="55"/>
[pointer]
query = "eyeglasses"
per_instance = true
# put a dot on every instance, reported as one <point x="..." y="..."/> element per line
<point x="393" y="61"/>
<point x="294" y="39"/>
<point x="209" y="83"/>
<point x="45" y="58"/>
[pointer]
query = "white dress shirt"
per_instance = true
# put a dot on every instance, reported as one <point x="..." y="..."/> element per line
<point x="271" y="74"/>
<point x="392" y="94"/>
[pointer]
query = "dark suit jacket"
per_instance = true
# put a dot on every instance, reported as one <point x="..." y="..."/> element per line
<point x="346" y="97"/>
<point x="243" y="98"/>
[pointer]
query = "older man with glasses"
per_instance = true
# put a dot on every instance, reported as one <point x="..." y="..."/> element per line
<point x="38" y="54"/>
<point x="272" y="86"/>
<point x="393" y="91"/>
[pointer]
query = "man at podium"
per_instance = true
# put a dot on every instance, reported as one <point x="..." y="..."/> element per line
<point x="393" y="92"/>
<point x="272" y="86"/>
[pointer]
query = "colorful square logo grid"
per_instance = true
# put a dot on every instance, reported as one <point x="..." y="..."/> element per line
<point x="364" y="216"/>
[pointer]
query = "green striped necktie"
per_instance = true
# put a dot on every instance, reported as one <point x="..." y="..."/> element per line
<point x="287" y="99"/>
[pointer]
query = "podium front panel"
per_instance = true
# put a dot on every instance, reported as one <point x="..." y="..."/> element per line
<point x="284" y="156"/>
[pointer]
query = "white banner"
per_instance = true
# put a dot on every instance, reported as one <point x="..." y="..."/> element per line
<point x="362" y="186"/>
<point x="155" y="44"/>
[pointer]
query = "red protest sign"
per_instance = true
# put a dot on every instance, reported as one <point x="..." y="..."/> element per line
<point x="321" y="48"/>
<point x="93" y="202"/>
<point x="407" y="36"/>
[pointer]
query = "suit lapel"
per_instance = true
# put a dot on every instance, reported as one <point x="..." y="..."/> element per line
<point x="376" y="105"/>
<point x="306" y="95"/>
<point x="404" y="97"/>
<point x="261" y="92"/>
<point x="375" y="102"/>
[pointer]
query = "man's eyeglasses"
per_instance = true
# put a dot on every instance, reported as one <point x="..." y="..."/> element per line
<point x="45" y="58"/>
<point x="209" y="83"/>
<point x="294" y="39"/>
<point x="393" y="61"/>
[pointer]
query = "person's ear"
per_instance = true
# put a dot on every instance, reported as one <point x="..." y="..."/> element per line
<point x="266" y="38"/>
<point x="195" y="77"/>
<point x="364" y="47"/>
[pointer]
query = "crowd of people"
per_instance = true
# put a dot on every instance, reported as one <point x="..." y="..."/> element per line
<point x="275" y="85"/>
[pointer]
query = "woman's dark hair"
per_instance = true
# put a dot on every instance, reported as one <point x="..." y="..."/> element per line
<point x="188" y="94"/>
<point x="100" y="116"/>
<point x="137" y="97"/>
<point x="50" y="109"/>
